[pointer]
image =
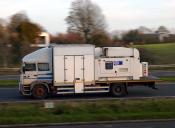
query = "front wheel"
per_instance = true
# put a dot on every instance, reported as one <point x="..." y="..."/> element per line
<point x="118" y="90"/>
<point x="39" y="92"/>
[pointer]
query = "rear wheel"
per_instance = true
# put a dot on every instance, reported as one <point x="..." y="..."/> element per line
<point x="118" y="90"/>
<point x="39" y="92"/>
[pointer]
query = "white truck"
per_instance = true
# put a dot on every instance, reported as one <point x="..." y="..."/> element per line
<point x="82" y="68"/>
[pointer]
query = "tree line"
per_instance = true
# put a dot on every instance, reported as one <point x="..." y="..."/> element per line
<point x="15" y="38"/>
<point x="86" y="24"/>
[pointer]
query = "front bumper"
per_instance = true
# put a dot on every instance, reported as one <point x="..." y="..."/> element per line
<point x="24" y="89"/>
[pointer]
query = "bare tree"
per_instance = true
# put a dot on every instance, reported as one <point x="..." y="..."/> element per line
<point x="22" y="33"/>
<point x="86" y="18"/>
<point x="4" y="49"/>
<point x="16" y="19"/>
<point x="16" y="37"/>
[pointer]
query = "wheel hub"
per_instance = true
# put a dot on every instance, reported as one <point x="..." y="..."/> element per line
<point x="40" y="92"/>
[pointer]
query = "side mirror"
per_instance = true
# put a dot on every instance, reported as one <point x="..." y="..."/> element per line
<point x="23" y="69"/>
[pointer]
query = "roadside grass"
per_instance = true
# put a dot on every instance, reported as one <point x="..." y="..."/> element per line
<point x="163" y="68"/>
<point x="168" y="78"/>
<point x="163" y="53"/>
<point x="87" y="111"/>
<point x="9" y="83"/>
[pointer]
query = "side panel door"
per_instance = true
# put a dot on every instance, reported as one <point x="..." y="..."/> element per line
<point x="45" y="72"/>
<point x="59" y="72"/>
<point x="79" y="68"/>
<point x="69" y="70"/>
<point x="79" y="74"/>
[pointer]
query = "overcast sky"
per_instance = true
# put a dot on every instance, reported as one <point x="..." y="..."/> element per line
<point x="120" y="14"/>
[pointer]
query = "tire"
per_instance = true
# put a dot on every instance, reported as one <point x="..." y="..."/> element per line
<point x="118" y="90"/>
<point x="39" y="92"/>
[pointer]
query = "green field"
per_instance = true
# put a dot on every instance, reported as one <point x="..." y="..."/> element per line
<point x="170" y="68"/>
<point x="9" y="83"/>
<point x="162" y="53"/>
<point x="109" y="110"/>
<point x="168" y="78"/>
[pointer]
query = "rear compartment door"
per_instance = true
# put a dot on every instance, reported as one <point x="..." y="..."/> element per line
<point x="79" y="74"/>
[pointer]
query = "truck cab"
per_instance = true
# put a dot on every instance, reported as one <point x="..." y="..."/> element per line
<point x="36" y="69"/>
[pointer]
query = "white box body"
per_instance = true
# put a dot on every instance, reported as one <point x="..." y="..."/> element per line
<point x="87" y="64"/>
<point x="73" y="62"/>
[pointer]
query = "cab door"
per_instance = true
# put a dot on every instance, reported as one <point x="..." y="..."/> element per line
<point x="30" y="73"/>
<point x="44" y="71"/>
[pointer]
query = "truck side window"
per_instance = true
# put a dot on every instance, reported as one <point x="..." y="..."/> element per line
<point x="109" y="65"/>
<point x="30" y="67"/>
<point x="43" y="67"/>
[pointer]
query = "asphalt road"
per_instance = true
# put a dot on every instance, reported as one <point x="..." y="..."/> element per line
<point x="159" y="73"/>
<point x="164" y="90"/>
<point x="9" y="77"/>
<point x="12" y="94"/>
<point x="156" y="124"/>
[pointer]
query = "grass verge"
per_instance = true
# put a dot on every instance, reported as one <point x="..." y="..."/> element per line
<point x="168" y="78"/>
<point x="87" y="111"/>
<point x="9" y="83"/>
<point x="163" y="53"/>
<point x="163" y="68"/>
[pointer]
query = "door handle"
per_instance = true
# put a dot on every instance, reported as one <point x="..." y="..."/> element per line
<point x="116" y="73"/>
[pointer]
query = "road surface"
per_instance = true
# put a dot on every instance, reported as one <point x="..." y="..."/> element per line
<point x="159" y="73"/>
<point x="154" y="124"/>
<point x="164" y="90"/>
<point x="9" y="77"/>
<point x="12" y="94"/>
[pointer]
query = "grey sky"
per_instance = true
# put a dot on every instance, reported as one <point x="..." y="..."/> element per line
<point x="120" y="14"/>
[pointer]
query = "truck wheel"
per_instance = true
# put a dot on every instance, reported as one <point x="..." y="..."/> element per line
<point x="118" y="90"/>
<point x="39" y="92"/>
